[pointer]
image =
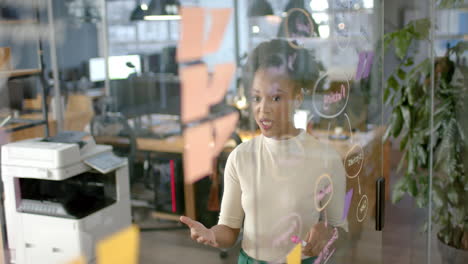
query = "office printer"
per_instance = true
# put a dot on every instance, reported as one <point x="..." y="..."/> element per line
<point x="61" y="198"/>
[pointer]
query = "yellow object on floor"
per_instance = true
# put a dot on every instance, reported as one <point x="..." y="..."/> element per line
<point x="121" y="248"/>
<point x="80" y="260"/>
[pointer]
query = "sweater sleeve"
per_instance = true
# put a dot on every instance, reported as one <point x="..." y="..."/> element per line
<point x="232" y="213"/>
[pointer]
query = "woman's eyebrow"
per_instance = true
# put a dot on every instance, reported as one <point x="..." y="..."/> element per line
<point x="277" y="91"/>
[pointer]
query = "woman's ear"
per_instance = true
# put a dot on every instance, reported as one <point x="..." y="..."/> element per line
<point x="298" y="100"/>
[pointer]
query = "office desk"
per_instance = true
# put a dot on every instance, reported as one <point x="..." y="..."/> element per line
<point x="31" y="132"/>
<point x="174" y="144"/>
<point x="376" y="164"/>
<point x="370" y="142"/>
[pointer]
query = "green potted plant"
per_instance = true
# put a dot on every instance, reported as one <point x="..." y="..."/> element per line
<point x="408" y="92"/>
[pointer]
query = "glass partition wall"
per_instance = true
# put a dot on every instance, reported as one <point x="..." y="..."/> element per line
<point x="323" y="188"/>
<point x="321" y="131"/>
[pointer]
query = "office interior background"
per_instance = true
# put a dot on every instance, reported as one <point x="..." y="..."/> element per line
<point x="390" y="98"/>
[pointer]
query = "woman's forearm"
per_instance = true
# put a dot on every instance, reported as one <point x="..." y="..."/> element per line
<point x="226" y="237"/>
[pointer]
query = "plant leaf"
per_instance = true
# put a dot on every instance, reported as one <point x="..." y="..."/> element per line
<point x="411" y="160"/>
<point x="401" y="74"/>
<point x="403" y="142"/>
<point x="438" y="196"/>
<point x="392" y="83"/>
<point x="386" y="95"/>
<point x="388" y="38"/>
<point x="399" y="190"/>
<point x="397" y="122"/>
<point x="409" y="62"/>
<point x="402" y="43"/>
<point x="422" y="155"/>
<point x="460" y="47"/>
<point x="402" y="162"/>
<point x="406" y="116"/>
<point x="452" y="196"/>
<point x="420" y="28"/>
<point x="412" y="186"/>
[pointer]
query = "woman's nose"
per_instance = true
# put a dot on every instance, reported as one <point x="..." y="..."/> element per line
<point x="264" y="106"/>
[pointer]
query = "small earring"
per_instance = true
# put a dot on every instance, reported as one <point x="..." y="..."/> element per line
<point x="297" y="104"/>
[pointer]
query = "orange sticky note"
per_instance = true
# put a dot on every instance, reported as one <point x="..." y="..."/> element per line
<point x="80" y="260"/>
<point x="198" y="152"/>
<point x="190" y="46"/>
<point x="220" y="18"/>
<point x="224" y="126"/>
<point x="194" y="89"/>
<point x="294" y="257"/>
<point x="120" y="248"/>
<point x="219" y="84"/>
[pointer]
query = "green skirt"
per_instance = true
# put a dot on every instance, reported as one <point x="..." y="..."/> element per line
<point x="246" y="259"/>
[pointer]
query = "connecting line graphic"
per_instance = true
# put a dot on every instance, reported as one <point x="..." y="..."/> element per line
<point x="326" y="219"/>
<point x="328" y="144"/>
<point x="350" y="129"/>
<point x="359" y="184"/>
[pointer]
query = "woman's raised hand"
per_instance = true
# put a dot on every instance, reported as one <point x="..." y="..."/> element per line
<point x="199" y="232"/>
<point x="319" y="239"/>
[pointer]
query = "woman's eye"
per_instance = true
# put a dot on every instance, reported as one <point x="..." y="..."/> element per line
<point x="255" y="98"/>
<point x="276" y="98"/>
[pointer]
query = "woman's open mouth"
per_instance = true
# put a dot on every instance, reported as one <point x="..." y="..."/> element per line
<point x="266" y="124"/>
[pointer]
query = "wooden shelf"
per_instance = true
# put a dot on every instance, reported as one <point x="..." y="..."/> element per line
<point x="157" y="42"/>
<point x="19" y="21"/>
<point x="452" y="36"/>
<point x="459" y="7"/>
<point x="19" y="73"/>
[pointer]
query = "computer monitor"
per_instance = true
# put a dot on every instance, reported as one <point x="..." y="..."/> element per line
<point x="146" y="94"/>
<point x="120" y="67"/>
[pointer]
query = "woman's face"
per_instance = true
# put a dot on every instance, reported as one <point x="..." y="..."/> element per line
<point x="273" y="96"/>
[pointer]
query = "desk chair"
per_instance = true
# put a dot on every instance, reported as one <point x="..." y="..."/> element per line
<point x="208" y="206"/>
<point x="79" y="112"/>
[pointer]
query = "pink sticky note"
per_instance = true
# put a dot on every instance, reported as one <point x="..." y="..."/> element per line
<point x="194" y="90"/>
<point x="220" y="19"/>
<point x="198" y="152"/>
<point x="348" y="197"/>
<point x="190" y="46"/>
<point x="219" y="84"/>
<point x="224" y="127"/>
<point x="364" y="64"/>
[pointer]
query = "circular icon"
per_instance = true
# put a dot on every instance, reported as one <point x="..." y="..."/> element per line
<point x="354" y="160"/>
<point x="342" y="24"/>
<point x="335" y="98"/>
<point x="361" y="210"/>
<point x="286" y="227"/>
<point x="303" y="28"/>
<point x="320" y="194"/>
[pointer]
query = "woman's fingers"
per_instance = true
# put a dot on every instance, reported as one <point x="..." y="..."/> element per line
<point x="194" y="236"/>
<point x="188" y="221"/>
<point x="317" y="239"/>
<point x="199" y="232"/>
